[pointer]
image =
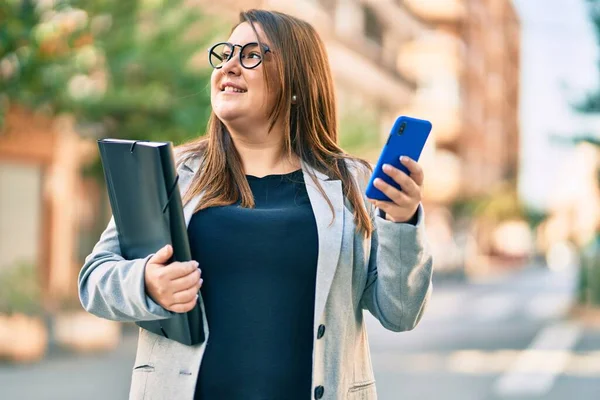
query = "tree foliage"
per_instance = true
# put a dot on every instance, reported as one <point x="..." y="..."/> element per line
<point x="131" y="69"/>
<point x="591" y="101"/>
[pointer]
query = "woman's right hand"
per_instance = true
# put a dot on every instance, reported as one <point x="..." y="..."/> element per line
<point x="174" y="286"/>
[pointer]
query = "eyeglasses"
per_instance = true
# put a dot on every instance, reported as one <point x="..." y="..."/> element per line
<point x="250" y="54"/>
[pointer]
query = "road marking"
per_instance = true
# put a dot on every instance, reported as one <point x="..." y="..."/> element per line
<point x="537" y="367"/>
<point x="549" y="306"/>
<point x="494" y="307"/>
<point x="443" y="306"/>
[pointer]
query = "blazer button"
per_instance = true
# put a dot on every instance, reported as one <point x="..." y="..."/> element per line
<point x="319" y="390"/>
<point x="321" y="331"/>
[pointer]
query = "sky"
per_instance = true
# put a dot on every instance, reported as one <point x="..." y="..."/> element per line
<point x="559" y="63"/>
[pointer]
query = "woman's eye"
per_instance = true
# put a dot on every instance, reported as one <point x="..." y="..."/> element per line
<point x="254" y="55"/>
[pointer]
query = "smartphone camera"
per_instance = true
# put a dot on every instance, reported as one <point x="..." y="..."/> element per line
<point x="402" y="128"/>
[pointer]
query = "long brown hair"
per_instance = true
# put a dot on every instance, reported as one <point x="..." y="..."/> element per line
<point x="309" y="124"/>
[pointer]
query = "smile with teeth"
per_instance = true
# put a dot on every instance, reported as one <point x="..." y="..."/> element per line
<point x="231" y="89"/>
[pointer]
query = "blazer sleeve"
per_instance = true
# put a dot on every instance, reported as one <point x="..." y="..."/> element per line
<point x="113" y="288"/>
<point x="400" y="268"/>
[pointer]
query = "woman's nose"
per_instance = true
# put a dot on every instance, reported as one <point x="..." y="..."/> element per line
<point x="232" y="65"/>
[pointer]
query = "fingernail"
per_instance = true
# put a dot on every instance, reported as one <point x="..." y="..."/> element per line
<point x="197" y="297"/>
<point x="404" y="159"/>
<point x="196" y="264"/>
<point x="201" y="281"/>
<point x="387" y="167"/>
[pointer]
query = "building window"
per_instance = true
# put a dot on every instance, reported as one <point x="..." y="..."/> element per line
<point x="373" y="28"/>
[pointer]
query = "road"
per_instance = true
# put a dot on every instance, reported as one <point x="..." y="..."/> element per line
<point x="495" y="340"/>
<point x="504" y="339"/>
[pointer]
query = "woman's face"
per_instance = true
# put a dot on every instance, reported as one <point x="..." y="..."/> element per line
<point x="240" y="94"/>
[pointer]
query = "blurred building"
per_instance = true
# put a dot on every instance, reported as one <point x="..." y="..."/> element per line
<point x="468" y="75"/>
<point x="467" y="71"/>
<point x="44" y="200"/>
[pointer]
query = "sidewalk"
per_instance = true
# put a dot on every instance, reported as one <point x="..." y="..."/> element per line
<point x="64" y="375"/>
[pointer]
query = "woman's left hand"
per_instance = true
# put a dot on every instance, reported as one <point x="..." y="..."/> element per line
<point x="405" y="202"/>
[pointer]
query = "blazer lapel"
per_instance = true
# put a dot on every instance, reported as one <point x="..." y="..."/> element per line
<point x="186" y="174"/>
<point x="329" y="232"/>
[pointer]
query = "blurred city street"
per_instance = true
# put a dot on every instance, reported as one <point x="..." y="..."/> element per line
<point x="504" y="338"/>
<point x="512" y="169"/>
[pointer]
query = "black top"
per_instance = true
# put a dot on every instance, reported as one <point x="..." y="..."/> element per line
<point x="259" y="268"/>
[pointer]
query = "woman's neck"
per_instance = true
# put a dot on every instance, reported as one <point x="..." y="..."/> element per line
<point x="262" y="152"/>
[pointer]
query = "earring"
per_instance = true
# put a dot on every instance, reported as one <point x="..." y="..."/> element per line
<point x="294" y="98"/>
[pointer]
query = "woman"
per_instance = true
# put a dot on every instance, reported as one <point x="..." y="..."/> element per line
<point x="289" y="251"/>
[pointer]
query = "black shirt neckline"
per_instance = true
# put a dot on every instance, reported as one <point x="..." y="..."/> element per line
<point x="274" y="176"/>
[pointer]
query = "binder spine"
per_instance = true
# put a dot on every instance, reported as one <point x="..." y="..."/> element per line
<point x="170" y="195"/>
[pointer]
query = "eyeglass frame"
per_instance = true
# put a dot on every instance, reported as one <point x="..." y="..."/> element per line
<point x="266" y="49"/>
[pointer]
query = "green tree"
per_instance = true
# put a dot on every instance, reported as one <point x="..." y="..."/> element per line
<point x="131" y="69"/>
<point x="591" y="102"/>
<point x="589" y="277"/>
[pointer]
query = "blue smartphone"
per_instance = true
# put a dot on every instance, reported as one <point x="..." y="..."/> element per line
<point x="407" y="138"/>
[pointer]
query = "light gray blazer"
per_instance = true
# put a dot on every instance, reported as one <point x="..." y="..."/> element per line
<point x="388" y="274"/>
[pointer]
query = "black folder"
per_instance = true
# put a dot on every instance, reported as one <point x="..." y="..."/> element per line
<point x="146" y="203"/>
